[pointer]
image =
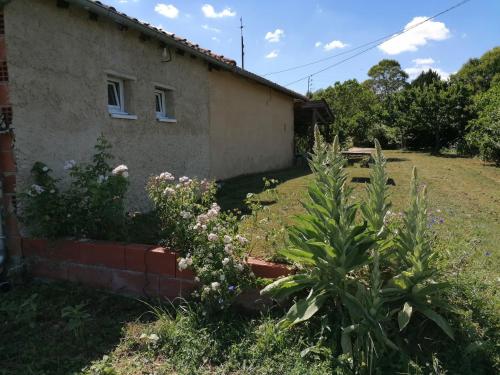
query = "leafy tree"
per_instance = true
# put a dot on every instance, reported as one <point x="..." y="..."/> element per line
<point x="478" y="74"/>
<point x="484" y="132"/>
<point x="355" y="107"/>
<point x="426" y="78"/>
<point x="387" y="78"/>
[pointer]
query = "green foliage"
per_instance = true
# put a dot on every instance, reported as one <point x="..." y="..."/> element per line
<point x="356" y="110"/>
<point x="478" y="74"/>
<point x="76" y="318"/>
<point x="484" y="132"/>
<point x="208" y="240"/>
<point x="91" y="207"/>
<point x="341" y="261"/>
<point x="387" y="78"/>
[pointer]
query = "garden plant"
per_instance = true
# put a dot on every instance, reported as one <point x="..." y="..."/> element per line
<point x="362" y="276"/>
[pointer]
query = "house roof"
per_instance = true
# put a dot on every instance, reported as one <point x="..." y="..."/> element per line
<point x="180" y="43"/>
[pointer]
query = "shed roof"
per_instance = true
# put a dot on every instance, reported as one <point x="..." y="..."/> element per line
<point x="182" y="44"/>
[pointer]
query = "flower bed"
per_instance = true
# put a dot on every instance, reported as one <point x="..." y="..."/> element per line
<point x="125" y="268"/>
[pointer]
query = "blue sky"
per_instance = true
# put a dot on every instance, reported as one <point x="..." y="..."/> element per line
<point x="284" y="33"/>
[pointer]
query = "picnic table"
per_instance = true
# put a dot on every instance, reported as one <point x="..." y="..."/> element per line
<point x="357" y="153"/>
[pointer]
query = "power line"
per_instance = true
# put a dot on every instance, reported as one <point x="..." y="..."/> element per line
<point x="379" y="41"/>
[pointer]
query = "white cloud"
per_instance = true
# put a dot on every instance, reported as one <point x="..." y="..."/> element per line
<point x="215" y="39"/>
<point x="424" y="61"/>
<point x="209" y="12"/>
<point x="318" y="44"/>
<point x="274" y="36"/>
<point x="334" y="44"/>
<point x="416" y="37"/>
<point x="272" y="55"/>
<point x="210" y="28"/>
<point x="167" y="10"/>
<point x="423" y="65"/>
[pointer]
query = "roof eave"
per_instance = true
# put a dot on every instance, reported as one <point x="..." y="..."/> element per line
<point x="102" y="10"/>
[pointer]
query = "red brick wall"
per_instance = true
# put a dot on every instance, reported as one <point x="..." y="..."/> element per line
<point x="7" y="159"/>
<point x="120" y="267"/>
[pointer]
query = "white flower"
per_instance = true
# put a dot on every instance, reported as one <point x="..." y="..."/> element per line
<point x="222" y="277"/>
<point x="228" y="248"/>
<point x="169" y="191"/>
<point x="227" y="239"/>
<point x="38" y="189"/>
<point x="212" y="237"/>
<point x="197" y="279"/>
<point x="69" y="164"/>
<point x="167" y="176"/>
<point x="183" y="264"/>
<point x="215" y="285"/>
<point x="52" y="191"/>
<point x="225" y="261"/>
<point x="143" y="336"/>
<point x="183" y="179"/>
<point x="239" y="267"/>
<point x="121" y="170"/>
<point x="178" y="186"/>
<point x="202" y="219"/>
<point x="189" y="260"/>
<point x="153" y="337"/>
<point x="242" y="240"/>
<point x="207" y="289"/>
<point x="186" y="215"/>
<point x="203" y="227"/>
<point x="45" y="169"/>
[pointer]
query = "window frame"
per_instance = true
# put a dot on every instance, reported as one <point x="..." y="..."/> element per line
<point x="163" y="103"/>
<point x="120" y="108"/>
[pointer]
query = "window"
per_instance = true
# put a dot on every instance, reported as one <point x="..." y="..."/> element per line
<point x="164" y="105"/>
<point x="161" y="108"/>
<point x="120" y="97"/>
<point x="115" y="96"/>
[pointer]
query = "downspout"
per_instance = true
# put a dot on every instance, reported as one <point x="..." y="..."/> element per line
<point x="4" y="284"/>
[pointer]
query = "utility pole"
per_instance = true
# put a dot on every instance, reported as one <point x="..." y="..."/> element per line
<point x="309" y="86"/>
<point x="242" y="45"/>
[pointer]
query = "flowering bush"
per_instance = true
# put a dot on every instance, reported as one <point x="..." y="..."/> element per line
<point x="207" y="239"/>
<point x="91" y="207"/>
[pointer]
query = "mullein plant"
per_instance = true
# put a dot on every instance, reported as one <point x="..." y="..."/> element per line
<point x="339" y="254"/>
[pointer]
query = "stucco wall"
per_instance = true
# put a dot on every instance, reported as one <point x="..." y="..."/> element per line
<point x="57" y="61"/>
<point x="251" y="127"/>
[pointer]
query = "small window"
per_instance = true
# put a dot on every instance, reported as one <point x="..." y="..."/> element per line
<point x="164" y="105"/>
<point x="115" y="96"/>
<point x="160" y="103"/>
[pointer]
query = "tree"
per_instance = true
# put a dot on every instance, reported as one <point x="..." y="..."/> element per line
<point x="484" y="132"/>
<point x="426" y="78"/>
<point x="355" y="107"/>
<point x="387" y="78"/>
<point x="479" y="73"/>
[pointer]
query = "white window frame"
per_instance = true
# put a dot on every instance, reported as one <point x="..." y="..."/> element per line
<point x="162" y="115"/>
<point x="120" y="108"/>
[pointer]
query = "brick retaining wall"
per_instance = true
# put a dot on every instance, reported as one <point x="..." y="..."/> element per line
<point x="120" y="267"/>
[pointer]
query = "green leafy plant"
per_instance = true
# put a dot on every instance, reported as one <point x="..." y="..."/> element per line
<point x="93" y="206"/>
<point x="76" y="317"/>
<point x="358" y="275"/>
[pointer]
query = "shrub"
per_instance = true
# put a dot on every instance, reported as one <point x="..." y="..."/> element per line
<point x="208" y="240"/>
<point x="365" y="280"/>
<point x="91" y="207"/>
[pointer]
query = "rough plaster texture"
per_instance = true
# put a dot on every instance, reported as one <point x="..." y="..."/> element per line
<point x="58" y="62"/>
<point x="251" y="127"/>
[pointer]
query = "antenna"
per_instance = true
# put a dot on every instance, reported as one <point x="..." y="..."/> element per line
<point x="242" y="45"/>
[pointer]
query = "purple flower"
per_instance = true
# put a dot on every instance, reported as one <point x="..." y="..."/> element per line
<point x="231" y="288"/>
<point x="488" y="254"/>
